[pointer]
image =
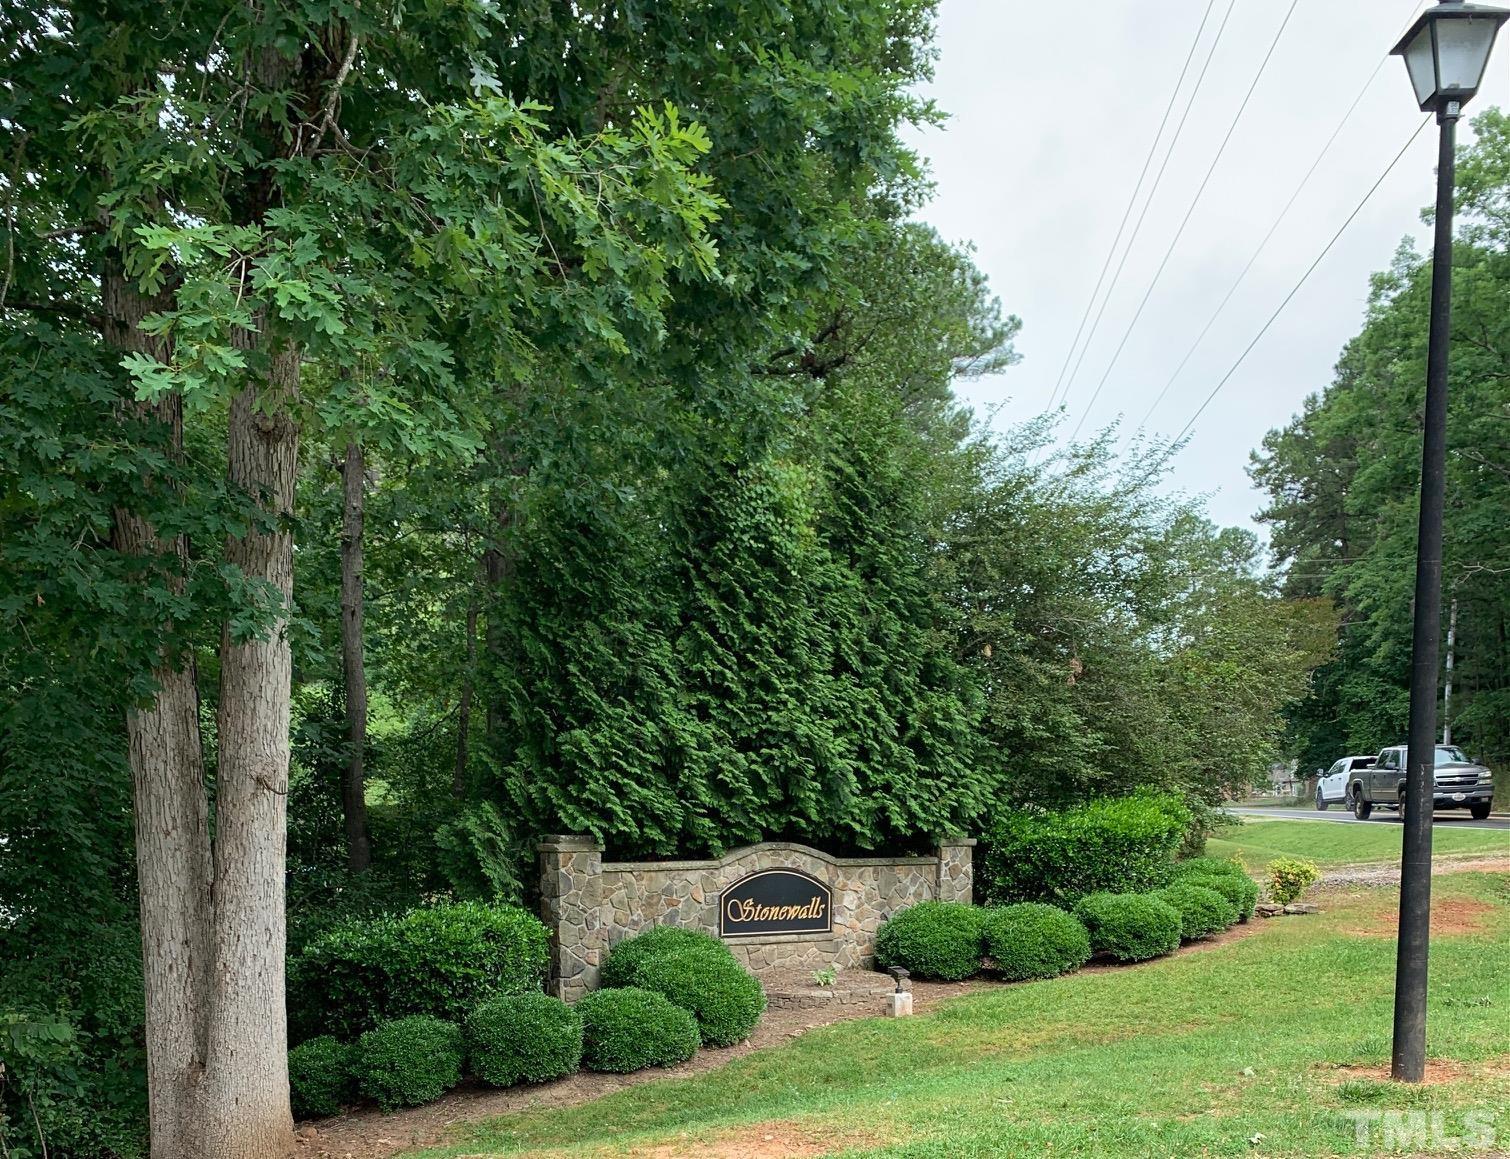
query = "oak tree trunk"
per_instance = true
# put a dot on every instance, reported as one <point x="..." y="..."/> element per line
<point x="353" y="780"/>
<point x="169" y="802"/>
<point x="246" y="1078"/>
<point x="464" y="709"/>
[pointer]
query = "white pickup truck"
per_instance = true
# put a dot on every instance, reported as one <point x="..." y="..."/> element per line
<point x="1457" y="783"/>
<point x="1334" y="787"/>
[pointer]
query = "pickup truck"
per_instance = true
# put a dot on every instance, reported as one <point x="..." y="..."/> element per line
<point x="1334" y="786"/>
<point x="1457" y="783"/>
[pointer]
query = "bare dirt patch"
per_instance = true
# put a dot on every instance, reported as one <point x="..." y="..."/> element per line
<point x="776" y="1140"/>
<point x="1449" y="917"/>
<point x="1439" y="1072"/>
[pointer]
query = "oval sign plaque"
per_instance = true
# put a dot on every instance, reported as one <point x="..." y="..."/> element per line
<point x="775" y="901"/>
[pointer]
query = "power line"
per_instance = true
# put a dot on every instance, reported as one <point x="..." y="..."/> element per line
<point x="1241" y="358"/>
<point x="1189" y="212"/>
<point x="1152" y="193"/>
<point x="1268" y="237"/>
<point x="1153" y="148"/>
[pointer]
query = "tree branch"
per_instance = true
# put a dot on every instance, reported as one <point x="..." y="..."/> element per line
<point x="62" y="309"/>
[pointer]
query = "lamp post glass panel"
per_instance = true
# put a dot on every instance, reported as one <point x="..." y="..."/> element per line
<point x="1446" y="52"/>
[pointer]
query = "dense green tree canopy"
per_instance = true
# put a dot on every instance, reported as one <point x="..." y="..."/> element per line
<point x="1343" y="478"/>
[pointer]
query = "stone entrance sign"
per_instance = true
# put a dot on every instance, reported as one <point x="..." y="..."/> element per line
<point x="774" y="904"/>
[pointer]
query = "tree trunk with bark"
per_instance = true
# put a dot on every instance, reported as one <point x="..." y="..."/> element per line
<point x="246" y="1079"/>
<point x="353" y="780"/>
<point x="169" y="802"/>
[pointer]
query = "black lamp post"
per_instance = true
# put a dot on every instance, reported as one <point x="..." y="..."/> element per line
<point x="1446" y="52"/>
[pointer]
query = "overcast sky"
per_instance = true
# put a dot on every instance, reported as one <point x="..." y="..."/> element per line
<point x="1051" y="118"/>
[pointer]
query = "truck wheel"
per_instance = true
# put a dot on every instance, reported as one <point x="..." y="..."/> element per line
<point x="1479" y="810"/>
<point x="1362" y="807"/>
<point x="1320" y="803"/>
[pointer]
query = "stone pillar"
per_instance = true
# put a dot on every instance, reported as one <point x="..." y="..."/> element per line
<point x="956" y="881"/>
<point x="571" y="907"/>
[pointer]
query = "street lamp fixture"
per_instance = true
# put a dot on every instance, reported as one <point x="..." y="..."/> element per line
<point x="1446" y="52"/>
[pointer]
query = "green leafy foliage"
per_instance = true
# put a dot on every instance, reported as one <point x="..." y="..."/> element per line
<point x="628" y="1029"/>
<point x="1342" y="479"/>
<point x="1203" y="911"/>
<point x="1123" y="845"/>
<point x="722" y="995"/>
<point x="408" y="1061"/>
<point x="1228" y="878"/>
<point x="321" y="1078"/>
<point x="934" y="940"/>
<point x="1289" y="877"/>
<point x="440" y="960"/>
<point x="1130" y="927"/>
<point x="627" y="958"/>
<point x="1033" y="940"/>
<point x="523" y="1038"/>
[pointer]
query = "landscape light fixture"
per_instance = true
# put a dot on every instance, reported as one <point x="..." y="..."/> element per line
<point x="900" y="974"/>
<point x="1446" y="52"/>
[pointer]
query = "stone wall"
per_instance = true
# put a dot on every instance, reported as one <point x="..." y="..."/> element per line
<point x="589" y="904"/>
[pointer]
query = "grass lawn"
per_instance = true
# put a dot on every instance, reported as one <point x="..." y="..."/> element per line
<point x="1258" y="842"/>
<point x="1238" y="1049"/>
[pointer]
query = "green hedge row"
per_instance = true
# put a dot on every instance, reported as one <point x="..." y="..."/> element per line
<point x="1121" y="844"/>
<point x="441" y="961"/>
<point x="672" y="989"/>
<point x="948" y="941"/>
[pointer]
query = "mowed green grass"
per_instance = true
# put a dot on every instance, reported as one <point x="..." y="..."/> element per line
<point x="1234" y="1049"/>
<point x="1259" y="842"/>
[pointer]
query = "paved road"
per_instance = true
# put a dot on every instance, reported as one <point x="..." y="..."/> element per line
<point x="1454" y="820"/>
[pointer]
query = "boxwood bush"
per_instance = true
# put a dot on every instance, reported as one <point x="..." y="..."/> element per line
<point x="621" y="967"/>
<point x="320" y="1079"/>
<point x="408" y="1061"/>
<point x="1130" y="927"/>
<point x="1032" y="940"/>
<point x="523" y="1038"/>
<point x="934" y="940"/>
<point x="1121" y="845"/>
<point x="441" y="960"/>
<point x="1203" y="911"/>
<point x="1208" y="866"/>
<point x="1238" y="888"/>
<point x="629" y="1029"/>
<point x="722" y="995"/>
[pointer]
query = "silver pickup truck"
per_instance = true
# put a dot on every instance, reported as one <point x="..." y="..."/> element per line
<point x="1458" y="783"/>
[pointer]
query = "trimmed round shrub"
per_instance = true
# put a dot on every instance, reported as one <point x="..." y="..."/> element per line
<point x="320" y="1081"/>
<point x="726" y="999"/>
<point x="441" y="960"/>
<point x="1032" y="940"/>
<point x="408" y="1061"/>
<point x="1240" y="889"/>
<point x="629" y="1029"/>
<point x="621" y="967"/>
<point x="1124" y="844"/>
<point x="523" y="1038"/>
<point x="1130" y="927"/>
<point x="934" y="940"/>
<point x="1203" y="911"/>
